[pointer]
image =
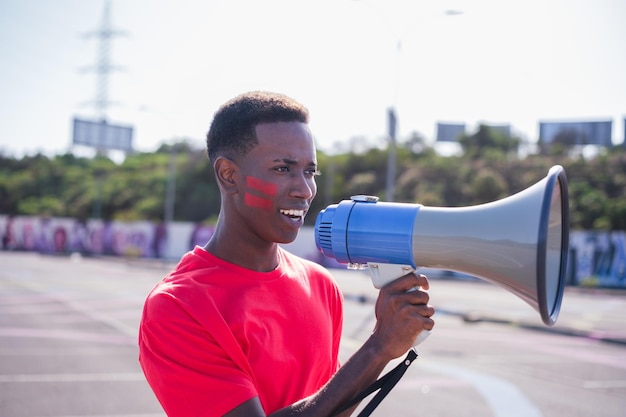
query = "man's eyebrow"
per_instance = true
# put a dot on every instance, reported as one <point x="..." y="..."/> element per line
<point x="285" y="160"/>
<point x="290" y="161"/>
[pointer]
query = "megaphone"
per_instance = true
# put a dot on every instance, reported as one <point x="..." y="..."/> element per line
<point x="519" y="243"/>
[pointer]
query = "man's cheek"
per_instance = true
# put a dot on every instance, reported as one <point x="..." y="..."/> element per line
<point x="257" y="202"/>
<point x="259" y="193"/>
<point x="263" y="187"/>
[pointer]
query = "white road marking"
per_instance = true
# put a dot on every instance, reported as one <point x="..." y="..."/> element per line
<point x="90" y="377"/>
<point x="503" y="398"/>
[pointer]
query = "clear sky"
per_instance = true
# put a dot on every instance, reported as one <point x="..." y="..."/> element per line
<point x="514" y="62"/>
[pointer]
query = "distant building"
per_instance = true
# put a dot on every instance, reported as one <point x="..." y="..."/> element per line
<point x="450" y="132"/>
<point x="577" y="133"/>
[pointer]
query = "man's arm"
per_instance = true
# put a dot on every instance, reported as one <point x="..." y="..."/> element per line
<point x="400" y="317"/>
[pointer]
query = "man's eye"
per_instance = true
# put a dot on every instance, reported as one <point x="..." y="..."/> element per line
<point x="282" y="169"/>
<point x="314" y="172"/>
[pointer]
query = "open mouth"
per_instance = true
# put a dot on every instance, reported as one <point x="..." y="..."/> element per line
<point x="293" y="214"/>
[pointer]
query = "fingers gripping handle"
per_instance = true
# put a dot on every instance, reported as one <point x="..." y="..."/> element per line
<point x="383" y="274"/>
<point x="423" y="335"/>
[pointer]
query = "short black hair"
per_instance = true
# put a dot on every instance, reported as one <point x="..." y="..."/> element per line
<point x="232" y="132"/>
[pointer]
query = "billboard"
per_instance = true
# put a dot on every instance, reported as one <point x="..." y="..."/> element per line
<point x="577" y="133"/>
<point x="102" y="136"/>
<point x="449" y="132"/>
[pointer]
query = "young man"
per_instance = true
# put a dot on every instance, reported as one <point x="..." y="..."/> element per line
<point x="243" y="328"/>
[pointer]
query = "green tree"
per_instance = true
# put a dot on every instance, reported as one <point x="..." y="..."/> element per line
<point x="488" y="142"/>
<point x="135" y="189"/>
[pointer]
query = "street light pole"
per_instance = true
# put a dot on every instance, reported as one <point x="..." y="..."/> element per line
<point x="170" y="193"/>
<point x="391" y="153"/>
<point x="392" y="119"/>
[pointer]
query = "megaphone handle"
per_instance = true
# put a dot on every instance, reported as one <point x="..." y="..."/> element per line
<point x="421" y="337"/>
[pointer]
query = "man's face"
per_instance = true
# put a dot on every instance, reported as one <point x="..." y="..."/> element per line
<point x="277" y="181"/>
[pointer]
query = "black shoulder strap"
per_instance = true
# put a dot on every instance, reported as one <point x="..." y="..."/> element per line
<point x="384" y="384"/>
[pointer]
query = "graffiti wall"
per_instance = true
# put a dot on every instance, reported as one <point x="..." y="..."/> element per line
<point x="596" y="259"/>
<point x="94" y="237"/>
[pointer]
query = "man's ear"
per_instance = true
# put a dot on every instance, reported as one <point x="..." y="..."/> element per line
<point x="226" y="172"/>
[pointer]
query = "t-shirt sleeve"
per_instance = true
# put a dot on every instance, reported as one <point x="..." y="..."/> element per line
<point x="189" y="371"/>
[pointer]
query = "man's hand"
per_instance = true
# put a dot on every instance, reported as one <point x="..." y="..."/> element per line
<point x="402" y="312"/>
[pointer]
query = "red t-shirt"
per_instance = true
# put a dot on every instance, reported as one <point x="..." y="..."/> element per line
<point x="214" y="335"/>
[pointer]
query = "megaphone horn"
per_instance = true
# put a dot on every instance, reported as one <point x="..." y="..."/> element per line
<point x="519" y="243"/>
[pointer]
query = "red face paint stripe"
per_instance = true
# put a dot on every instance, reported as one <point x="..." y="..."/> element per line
<point x="257" y="202"/>
<point x="264" y="187"/>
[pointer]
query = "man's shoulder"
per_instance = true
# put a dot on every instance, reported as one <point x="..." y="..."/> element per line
<point x="182" y="292"/>
<point x="192" y="267"/>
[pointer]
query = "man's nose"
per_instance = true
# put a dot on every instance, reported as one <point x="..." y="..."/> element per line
<point x="303" y="186"/>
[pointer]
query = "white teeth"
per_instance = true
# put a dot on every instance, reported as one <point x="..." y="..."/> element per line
<point x="294" y="213"/>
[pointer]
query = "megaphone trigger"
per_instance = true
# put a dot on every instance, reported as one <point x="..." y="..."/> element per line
<point x="383" y="273"/>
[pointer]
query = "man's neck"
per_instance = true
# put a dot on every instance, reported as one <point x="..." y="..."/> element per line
<point x="261" y="258"/>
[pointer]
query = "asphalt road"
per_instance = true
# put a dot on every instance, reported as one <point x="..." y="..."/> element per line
<point x="68" y="346"/>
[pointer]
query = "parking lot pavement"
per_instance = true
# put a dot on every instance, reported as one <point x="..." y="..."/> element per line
<point x="68" y="344"/>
